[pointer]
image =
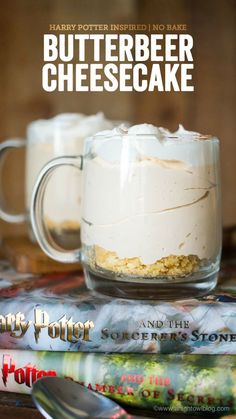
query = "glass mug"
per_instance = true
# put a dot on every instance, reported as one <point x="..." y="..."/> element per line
<point x="151" y="215"/>
<point x="47" y="139"/>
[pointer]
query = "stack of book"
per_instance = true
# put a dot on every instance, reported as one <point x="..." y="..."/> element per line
<point x="159" y="356"/>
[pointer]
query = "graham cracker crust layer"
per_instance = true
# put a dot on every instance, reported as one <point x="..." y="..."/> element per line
<point x="172" y="265"/>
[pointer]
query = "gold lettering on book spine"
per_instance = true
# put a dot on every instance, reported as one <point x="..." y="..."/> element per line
<point x="66" y="329"/>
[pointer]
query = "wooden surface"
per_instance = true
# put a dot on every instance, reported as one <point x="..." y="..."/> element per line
<point x="26" y="256"/>
<point x="17" y="406"/>
<point x="20" y="406"/>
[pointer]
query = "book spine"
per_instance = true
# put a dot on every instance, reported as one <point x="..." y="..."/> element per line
<point x="119" y="326"/>
<point x="190" y="383"/>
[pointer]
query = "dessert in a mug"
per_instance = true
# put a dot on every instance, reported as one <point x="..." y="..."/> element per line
<point x="152" y="205"/>
<point x="50" y="138"/>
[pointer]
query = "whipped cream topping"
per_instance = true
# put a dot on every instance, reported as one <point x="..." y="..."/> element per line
<point x="67" y="125"/>
<point x="150" y="129"/>
<point x="151" y="141"/>
<point x="150" y="194"/>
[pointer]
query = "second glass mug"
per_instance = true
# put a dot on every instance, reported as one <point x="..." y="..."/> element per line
<point x="46" y="139"/>
<point x="151" y="215"/>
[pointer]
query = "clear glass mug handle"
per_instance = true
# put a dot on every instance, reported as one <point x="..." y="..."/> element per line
<point x="5" y="147"/>
<point x="42" y="235"/>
